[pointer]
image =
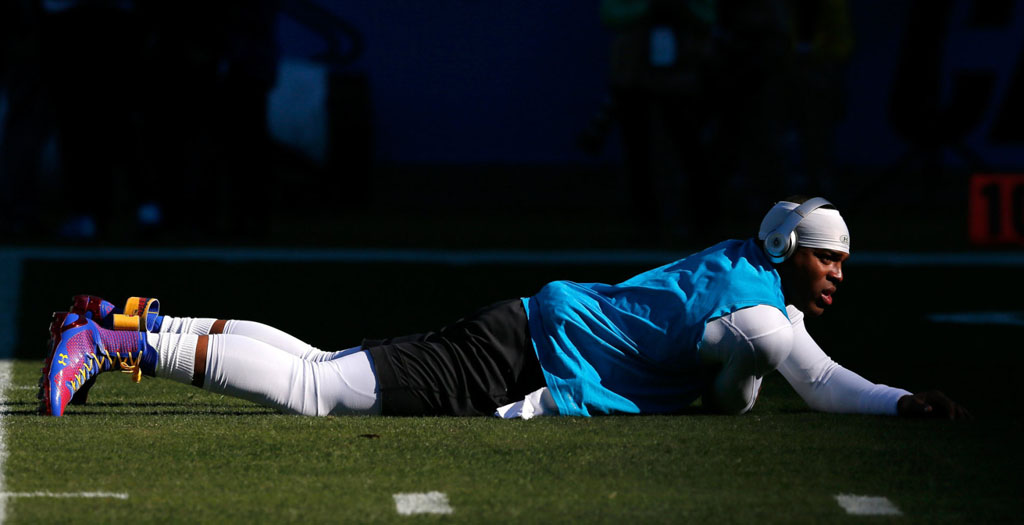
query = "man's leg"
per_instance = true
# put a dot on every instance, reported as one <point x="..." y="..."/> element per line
<point x="743" y="346"/>
<point x="242" y="367"/>
<point x="469" y="368"/>
<point x="253" y="330"/>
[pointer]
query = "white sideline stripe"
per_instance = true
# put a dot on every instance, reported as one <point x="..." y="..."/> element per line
<point x="867" y="505"/>
<point x="6" y="366"/>
<point x="46" y="494"/>
<point x="422" y="503"/>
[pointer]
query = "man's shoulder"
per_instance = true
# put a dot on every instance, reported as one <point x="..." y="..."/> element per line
<point x="731" y="253"/>
<point x="794" y="314"/>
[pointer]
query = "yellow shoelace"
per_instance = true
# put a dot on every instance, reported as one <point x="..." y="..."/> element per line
<point x="130" y="364"/>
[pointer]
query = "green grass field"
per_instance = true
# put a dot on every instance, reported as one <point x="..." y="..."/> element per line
<point x="184" y="455"/>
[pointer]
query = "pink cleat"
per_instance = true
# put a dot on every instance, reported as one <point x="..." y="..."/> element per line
<point x="80" y="350"/>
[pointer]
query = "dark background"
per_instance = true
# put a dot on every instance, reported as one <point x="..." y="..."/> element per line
<point x="473" y="124"/>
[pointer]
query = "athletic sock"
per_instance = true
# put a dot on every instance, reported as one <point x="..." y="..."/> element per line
<point x="126" y="342"/>
<point x="186" y="325"/>
<point x="176" y="355"/>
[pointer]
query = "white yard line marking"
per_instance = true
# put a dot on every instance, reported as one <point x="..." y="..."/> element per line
<point x="867" y="505"/>
<point x="422" y="503"/>
<point x="5" y="379"/>
<point x="47" y="494"/>
<point x="5" y="384"/>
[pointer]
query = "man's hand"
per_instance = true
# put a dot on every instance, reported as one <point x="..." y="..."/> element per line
<point x="931" y="404"/>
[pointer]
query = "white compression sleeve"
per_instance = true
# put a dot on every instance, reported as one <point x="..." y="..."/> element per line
<point x="825" y="385"/>
<point x="278" y="339"/>
<point x="249" y="369"/>
<point x="746" y="344"/>
<point x="252" y="330"/>
<point x="254" y="370"/>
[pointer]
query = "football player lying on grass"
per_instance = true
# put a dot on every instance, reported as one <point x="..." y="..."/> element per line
<point x="709" y="326"/>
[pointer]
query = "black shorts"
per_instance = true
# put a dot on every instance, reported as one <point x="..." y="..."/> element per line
<point x="469" y="368"/>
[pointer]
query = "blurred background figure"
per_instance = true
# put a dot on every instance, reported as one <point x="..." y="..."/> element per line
<point x="778" y="88"/>
<point x="658" y="80"/>
<point x="208" y="70"/>
<point x="90" y="57"/>
<point x="713" y="99"/>
<point x="26" y="120"/>
<point x="140" y="110"/>
<point x="822" y="43"/>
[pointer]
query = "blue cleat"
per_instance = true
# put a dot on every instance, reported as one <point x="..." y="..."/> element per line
<point x="80" y="350"/>
<point x="108" y="316"/>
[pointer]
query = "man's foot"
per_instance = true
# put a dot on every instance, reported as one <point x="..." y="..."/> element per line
<point x="110" y="317"/>
<point x="56" y="323"/>
<point x="78" y="353"/>
<point x="92" y="307"/>
<point x="139" y="313"/>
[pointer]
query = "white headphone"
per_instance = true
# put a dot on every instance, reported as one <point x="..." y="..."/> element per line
<point x="781" y="242"/>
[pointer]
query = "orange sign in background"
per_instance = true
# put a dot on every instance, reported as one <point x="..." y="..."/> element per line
<point x="996" y="209"/>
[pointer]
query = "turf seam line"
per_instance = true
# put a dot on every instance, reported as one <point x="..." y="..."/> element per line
<point x="433" y="502"/>
<point x="867" y="505"/>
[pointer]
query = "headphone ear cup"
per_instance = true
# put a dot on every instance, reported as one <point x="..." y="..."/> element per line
<point x="779" y="247"/>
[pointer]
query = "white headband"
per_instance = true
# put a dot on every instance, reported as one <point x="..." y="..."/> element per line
<point x="822" y="228"/>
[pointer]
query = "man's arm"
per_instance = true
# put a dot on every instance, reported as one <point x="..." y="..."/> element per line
<point x="825" y="385"/>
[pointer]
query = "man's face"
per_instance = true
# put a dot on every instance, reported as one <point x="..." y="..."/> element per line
<point x="810" y="277"/>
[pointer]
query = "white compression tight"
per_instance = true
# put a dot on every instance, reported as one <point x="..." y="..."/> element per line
<point x="265" y="365"/>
